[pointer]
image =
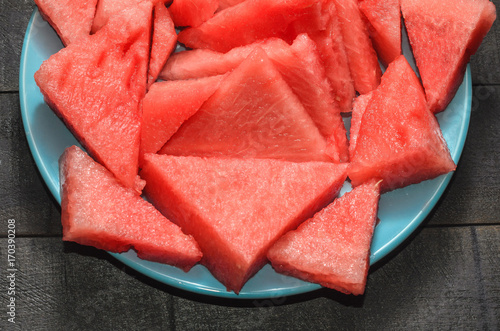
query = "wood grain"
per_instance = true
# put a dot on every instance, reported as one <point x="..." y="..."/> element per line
<point x="442" y="271"/>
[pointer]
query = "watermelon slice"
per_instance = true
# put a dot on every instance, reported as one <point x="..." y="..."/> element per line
<point x="223" y="4"/>
<point x="107" y="8"/>
<point x="70" y="19"/>
<point x="246" y="23"/>
<point x="398" y="139"/>
<point x="443" y="36"/>
<point x="254" y="113"/>
<point x="301" y="68"/>
<point x="164" y="41"/>
<point x="333" y="247"/>
<point x="192" y="12"/>
<point x="168" y="104"/>
<point x="330" y="45"/>
<point x="384" y="18"/>
<point x="96" y="85"/>
<point x="237" y="208"/>
<point x="97" y="210"/>
<point x="358" y="108"/>
<point x="363" y="61"/>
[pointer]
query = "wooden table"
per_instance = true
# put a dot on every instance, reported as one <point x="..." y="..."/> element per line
<point x="446" y="276"/>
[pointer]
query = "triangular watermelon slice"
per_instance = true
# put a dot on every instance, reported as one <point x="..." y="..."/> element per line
<point x="333" y="247"/>
<point x="254" y="113"/>
<point x="192" y="12"/>
<point x="301" y="68"/>
<point x="96" y="85"/>
<point x="168" y="104"/>
<point x="398" y="139"/>
<point x="223" y="4"/>
<point x="97" y="210"/>
<point x="107" y="8"/>
<point x="443" y="35"/>
<point x="363" y="61"/>
<point x="384" y="18"/>
<point x="246" y="23"/>
<point x="70" y="19"/>
<point x="237" y="208"/>
<point x="164" y="41"/>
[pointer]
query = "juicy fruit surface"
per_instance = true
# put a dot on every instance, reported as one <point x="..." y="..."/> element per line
<point x="330" y="44"/>
<point x="263" y="19"/>
<point x="168" y="104"/>
<point x="253" y="113"/>
<point x="97" y="210"/>
<point x="333" y="247"/>
<point x="236" y="208"/>
<point x="301" y="68"/>
<point x="192" y="12"/>
<point x="96" y="86"/>
<point x="71" y="19"/>
<point x="384" y="19"/>
<point x="443" y="36"/>
<point x="398" y="139"/>
<point x="363" y="61"/>
<point x="163" y="43"/>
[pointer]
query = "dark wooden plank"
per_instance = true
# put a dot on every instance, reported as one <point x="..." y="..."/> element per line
<point x="23" y="195"/>
<point x="474" y="192"/>
<point x="14" y="17"/>
<point x="443" y="278"/>
<point x="485" y="64"/>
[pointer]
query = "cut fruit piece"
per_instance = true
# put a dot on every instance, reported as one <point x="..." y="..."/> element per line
<point x="164" y="41"/>
<point x="443" y="35"/>
<point x="363" y="61"/>
<point x="301" y="68"/>
<point x="330" y="44"/>
<point x="192" y="12"/>
<point x="96" y="210"/>
<point x="333" y="247"/>
<point x="96" y="85"/>
<point x="168" y="104"/>
<point x="237" y="208"/>
<point x="384" y="18"/>
<point x="358" y="108"/>
<point x="223" y="4"/>
<point x="246" y="23"/>
<point x="106" y="8"/>
<point x="254" y="113"/>
<point x="398" y="139"/>
<point x="70" y="19"/>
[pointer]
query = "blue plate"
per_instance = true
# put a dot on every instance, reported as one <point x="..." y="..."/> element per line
<point x="400" y="211"/>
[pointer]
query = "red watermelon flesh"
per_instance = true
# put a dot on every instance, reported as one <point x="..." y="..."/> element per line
<point x="107" y="8"/>
<point x="168" y="104"/>
<point x="237" y="208"/>
<point x="384" y="17"/>
<point x="97" y="210"/>
<point x="223" y="4"/>
<point x="399" y="139"/>
<point x="254" y="113"/>
<point x="96" y="85"/>
<point x="330" y="45"/>
<point x="333" y="247"/>
<point x="246" y="23"/>
<point x="443" y="35"/>
<point x="363" y="61"/>
<point x="164" y="41"/>
<point x="192" y="12"/>
<point x="310" y="83"/>
<point x="301" y="68"/>
<point x="70" y="19"/>
<point x="358" y="108"/>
